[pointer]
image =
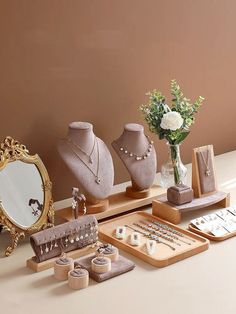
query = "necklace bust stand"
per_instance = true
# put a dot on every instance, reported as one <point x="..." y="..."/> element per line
<point x="204" y="186"/>
<point x="139" y="157"/>
<point x="90" y="161"/>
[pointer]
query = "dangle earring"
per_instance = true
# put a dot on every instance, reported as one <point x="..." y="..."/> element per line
<point x="78" y="197"/>
<point x="41" y="250"/>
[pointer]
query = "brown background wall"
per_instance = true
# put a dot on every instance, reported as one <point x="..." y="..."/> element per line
<point x="75" y="60"/>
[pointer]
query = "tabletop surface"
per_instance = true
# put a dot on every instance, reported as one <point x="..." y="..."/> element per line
<point x="203" y="283"/>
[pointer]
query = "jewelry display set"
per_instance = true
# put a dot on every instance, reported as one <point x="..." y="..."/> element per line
<point x="155" y="233"/>
<point x="219" y="223"/>
<point x="90" y="161"/>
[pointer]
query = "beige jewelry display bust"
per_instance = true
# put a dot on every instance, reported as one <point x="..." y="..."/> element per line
<point x="139" y="157"/>
<point x="90" y="161"/>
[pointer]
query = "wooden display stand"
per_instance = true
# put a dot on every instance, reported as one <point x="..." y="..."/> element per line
<point x="101" y="206"/>
<point x="38" y="267"/>
<point x="171" y="212"/>
<point x="119" y="203"/>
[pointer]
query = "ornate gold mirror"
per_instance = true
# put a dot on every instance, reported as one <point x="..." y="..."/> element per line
<point x="26" y="204"/>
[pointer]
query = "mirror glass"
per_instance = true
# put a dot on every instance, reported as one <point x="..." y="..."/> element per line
<point x="21" y="193"/>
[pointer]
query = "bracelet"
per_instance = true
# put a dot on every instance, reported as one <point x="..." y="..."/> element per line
<point x="151" y="230"/>
<point x="151" y="236"/>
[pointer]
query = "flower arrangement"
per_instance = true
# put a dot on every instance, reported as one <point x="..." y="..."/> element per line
<point x="171" y="123"/>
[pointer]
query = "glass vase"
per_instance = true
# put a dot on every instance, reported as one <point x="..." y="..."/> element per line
<point x="173" y="172"/>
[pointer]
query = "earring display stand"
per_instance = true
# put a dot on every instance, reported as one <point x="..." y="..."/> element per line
<point x="164" y="255"/>
<point x="38" y="267"/>
<point x="205" y="192"/>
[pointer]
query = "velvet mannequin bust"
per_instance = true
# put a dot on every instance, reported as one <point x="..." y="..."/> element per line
<point x="134" y="142"/>
<point x="89" y="159"/>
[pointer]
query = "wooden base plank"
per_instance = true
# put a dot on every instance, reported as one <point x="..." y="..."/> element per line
<point x="38" y="267"/>
<point x="118" y="203"/>
<point x="171" y="212"/>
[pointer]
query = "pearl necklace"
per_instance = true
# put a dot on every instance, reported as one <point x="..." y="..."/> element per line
<point x="138" y="157"/>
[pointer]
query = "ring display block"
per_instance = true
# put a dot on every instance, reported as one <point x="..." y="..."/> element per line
<point x="171" y="212"/>
<point x="38" y="267"/>
<point x="118" y="203"/>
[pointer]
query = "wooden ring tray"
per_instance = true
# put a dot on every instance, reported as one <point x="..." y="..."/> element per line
<point x="164" y="256"/>
<point x="211" y="236"/>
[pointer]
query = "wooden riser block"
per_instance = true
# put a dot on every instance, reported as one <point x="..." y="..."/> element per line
<point x="118" y="203"/>
<point x="38" y="267"/>
<point x="170" y="212"/>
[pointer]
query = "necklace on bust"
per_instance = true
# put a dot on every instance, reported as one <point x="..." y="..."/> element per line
<point x="89" y="155"/>
<point x="206" y="163"/>
<point x="137" y="156"/>
<point x="96" y="173"/>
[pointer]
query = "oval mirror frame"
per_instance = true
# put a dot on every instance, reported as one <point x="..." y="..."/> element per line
<point x="10" y="151"/>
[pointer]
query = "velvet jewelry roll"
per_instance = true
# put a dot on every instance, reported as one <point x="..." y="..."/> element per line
<point x="62" y="266"/>
<point x="101" y="264"/>
<point x="109" y="251"/>
<point x="78" y="279"/>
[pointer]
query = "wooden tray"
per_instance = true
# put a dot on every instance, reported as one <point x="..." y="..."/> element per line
<point x="211" y="236"/>
<point x="164" y="256"/>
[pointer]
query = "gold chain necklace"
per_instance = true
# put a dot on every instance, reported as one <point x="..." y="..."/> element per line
<point x="95" y="174"/>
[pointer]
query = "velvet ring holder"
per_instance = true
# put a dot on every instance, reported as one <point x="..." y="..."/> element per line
<point x="78" y="278"/>
<point x="62" y="266"/>
<point x="109" y="251"/>
<point x="138" y="155"/>
<point x="101" y="264"/>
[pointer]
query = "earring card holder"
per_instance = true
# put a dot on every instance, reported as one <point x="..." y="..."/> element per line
<point x="119" y="267"/>
<point x="118" y="203"/>
<point x="163" y="256"/>
<point x="209" y="235"/>
<point x="173" y="213"/>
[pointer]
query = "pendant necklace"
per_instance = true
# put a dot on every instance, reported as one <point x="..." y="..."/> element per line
<point x="95" y="174"/>
<point x="206" y="162"/>
<point x="83" y="151"/>
<point x="137" y="157"/>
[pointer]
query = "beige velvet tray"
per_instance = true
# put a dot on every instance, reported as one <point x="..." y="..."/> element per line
<point x="164" y="256"/>
<point x="211" y="236"/>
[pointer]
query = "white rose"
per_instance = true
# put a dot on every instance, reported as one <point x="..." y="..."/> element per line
<point x="171" y="121"/>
